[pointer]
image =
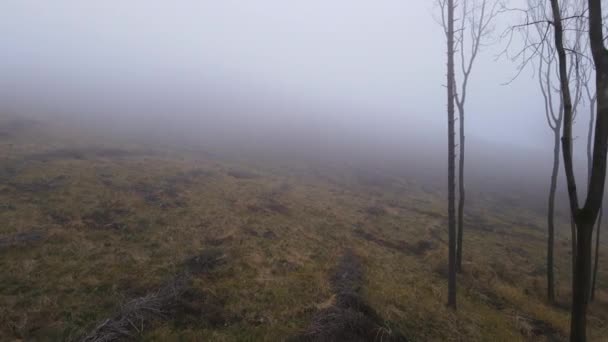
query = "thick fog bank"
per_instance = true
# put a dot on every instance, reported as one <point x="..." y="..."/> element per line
<point x="399" y="148"/>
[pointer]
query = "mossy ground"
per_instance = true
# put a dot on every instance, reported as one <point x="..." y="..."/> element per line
<point x="117" y="223"/>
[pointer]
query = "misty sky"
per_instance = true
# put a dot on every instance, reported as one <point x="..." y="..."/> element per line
<point x="384" y="59"/>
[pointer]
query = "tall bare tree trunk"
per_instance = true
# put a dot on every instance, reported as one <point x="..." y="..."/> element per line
<point x="582" y="272"/>
<point x="550" y="218"/>
<point x="573" y="243"/>
<point x="590" y="133"/>
<point x="451" y="161"/>
<point x="461" y="192"/>
<point x="592" y="100"/>
<point x="597" y="255"/>
<point x="475" y="26"/>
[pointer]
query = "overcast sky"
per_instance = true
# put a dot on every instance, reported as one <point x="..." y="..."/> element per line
<point x="384" y="58"/>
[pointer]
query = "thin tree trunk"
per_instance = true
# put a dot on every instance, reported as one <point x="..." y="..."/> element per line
<point x="592" y="101"/>
<point x="574" y="244"/>
<point x="461" y="191"/>
<point x="582" y="277"/>
<point x="597" y="255"/>
<point x="451" y="161"/>
<point x="550" y="218"/>
<point x="590" y="137"/>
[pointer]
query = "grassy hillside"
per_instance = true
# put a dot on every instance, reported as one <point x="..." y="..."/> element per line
<point x="88" y="226"/>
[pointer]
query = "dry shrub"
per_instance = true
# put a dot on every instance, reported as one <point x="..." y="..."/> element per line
<point x="174" y="300"/>
<point x="137" y="314"/>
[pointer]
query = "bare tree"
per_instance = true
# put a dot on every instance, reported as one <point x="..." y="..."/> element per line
<point x="563" y="13"/>
<point x="597" y="254"/>
<point x="447" y="20"/>
<point x="546" y="56"/>
<point x="475" y="26"/>
<point x="585" y="216"/>
<point x="554" y="120"/>
<point x="587" y="71"/>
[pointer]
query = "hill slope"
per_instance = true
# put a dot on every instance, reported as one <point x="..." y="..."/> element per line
<point x="249" y="248"/>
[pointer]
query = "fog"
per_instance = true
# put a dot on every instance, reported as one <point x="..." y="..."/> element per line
<point x="357" y="78"/>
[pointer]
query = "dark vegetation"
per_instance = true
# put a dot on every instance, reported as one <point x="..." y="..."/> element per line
<point x="241" y="174"/>
<point x="21" y="239"/>
<point x="269" y="206"/>
<point x="418" y="248"/>
<point x="39" y="185"/>
<point x="106" y="216"/>
<point x="350" y="318"/>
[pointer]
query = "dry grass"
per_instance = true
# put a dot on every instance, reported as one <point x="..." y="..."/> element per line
<point x="116" y="225"/>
